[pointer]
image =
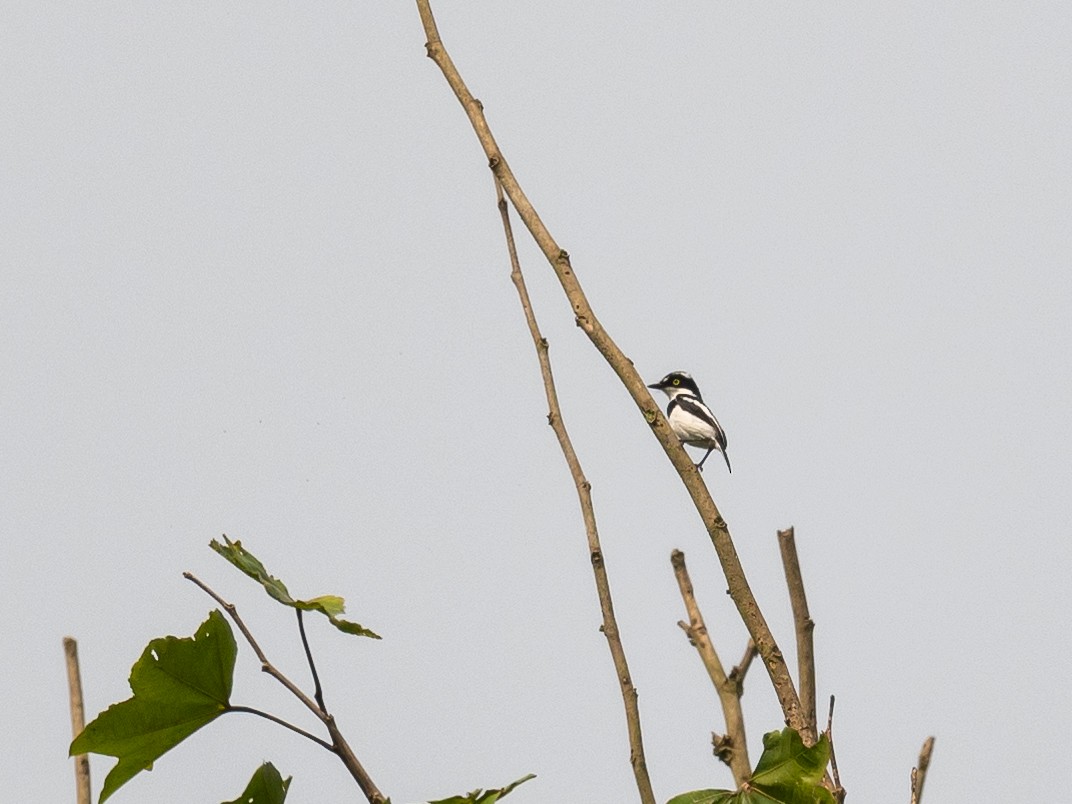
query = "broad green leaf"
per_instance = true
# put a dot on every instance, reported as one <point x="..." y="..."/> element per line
<point x="484" y="796"/>
<point x="786" y="761"/>
<point x="266" y="787"/>
<point x="330" y="606"/>
<point x="179" y="685"/>
<point x="787" y="773"/>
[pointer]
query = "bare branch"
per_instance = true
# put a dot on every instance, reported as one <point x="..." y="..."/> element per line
<point x="584" y="496"/>
<point x="919" y="773"/>
<point x="338" y="744"/>
<point x="834" y="784"/>
<point x="733" y="747"/>
<point x="803" y="623"/>
<point x="740" y="670"/>
<point x="586" y="319"/>
<point x="78" y="718"/>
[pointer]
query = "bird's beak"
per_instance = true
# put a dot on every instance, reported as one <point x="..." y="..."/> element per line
<point x="656" y="386"/>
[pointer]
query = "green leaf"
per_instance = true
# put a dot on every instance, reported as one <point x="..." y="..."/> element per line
<point x="329" y="605"/>
<point x="484" y="796"/>
<point x="703" y="797"/>
<point x="787" y="773"/>
<point x="179" y="685"/>
<point x="265" y="787"/>
<point x="786" y="761"/>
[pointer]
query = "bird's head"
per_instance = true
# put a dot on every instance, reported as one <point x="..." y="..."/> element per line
<point x="677" y="382"/>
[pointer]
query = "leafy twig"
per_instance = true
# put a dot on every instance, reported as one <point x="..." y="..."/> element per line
<point x="338" y="744"/>
<point x="266" y="666"/>
<point x="584" y="496"/>
<point x="733" y="748"/>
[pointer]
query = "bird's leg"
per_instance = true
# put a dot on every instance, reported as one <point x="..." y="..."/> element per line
<point x="699" y="466"/>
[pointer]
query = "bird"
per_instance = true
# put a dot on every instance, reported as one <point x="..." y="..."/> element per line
<point x="690" y="419"/>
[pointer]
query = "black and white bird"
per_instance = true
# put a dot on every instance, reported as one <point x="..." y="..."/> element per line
<point x="690" y="419"/>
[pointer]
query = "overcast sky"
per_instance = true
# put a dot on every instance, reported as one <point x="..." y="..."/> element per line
<point x="253" y="283"/>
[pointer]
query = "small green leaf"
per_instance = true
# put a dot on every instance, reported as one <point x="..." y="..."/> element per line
<point x="787" y="773"/>
<point x="484" y="796"/>
<point x="330" y="606"/>
<point x="179" y="685"/>
<point x="266" y="786"/>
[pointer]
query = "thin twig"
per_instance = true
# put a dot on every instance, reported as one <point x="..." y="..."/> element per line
<point x="919" y="773"/>
<point x="837" y="790"/>
<point x="740" y="670"/>
<point x="804" y="625"/>
<point x="338" y="744"/>
<point x="267" y="716"/>
<point x="586" y="319"/>
<point x="584" y="496"/>
<point x="318" y="693"/>
<point x="733" y="748"/>
<point x="266" y="666"/>
<point x="78" y="718"/>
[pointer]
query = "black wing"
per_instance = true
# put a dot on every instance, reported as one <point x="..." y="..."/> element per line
<point x="691" y="404"/>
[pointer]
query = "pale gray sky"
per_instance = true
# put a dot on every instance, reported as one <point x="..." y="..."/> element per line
<point x="253" y="283"/>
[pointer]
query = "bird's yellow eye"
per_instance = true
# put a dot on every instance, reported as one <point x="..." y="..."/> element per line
<point x="676" y="381"/>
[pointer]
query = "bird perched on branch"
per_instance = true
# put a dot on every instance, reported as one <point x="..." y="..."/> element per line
<point x="690" y="419"/>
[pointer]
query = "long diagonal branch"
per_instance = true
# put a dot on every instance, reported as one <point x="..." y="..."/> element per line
<point x="733" y="749"/>
<point x="737" y="583"/>
<point x="584" y="496"/>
